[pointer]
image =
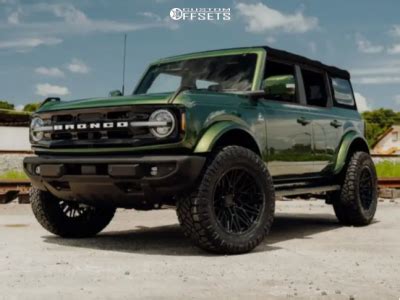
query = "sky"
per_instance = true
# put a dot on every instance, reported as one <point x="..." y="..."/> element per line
<point x="73" y="49"/>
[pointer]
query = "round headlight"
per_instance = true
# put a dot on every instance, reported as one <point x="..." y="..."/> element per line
<point x="164" y="123"/>
<point x="36" y="133"/>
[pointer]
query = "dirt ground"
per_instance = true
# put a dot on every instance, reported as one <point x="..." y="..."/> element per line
<point x="143" y="255"/>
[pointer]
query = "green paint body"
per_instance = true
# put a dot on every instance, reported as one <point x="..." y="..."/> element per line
<point x="287" y="147"/>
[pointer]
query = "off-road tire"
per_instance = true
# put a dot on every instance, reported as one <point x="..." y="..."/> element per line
<point x="347" y="203"/>
<point x="50" y="215"/>
<point x="196" y="210"/>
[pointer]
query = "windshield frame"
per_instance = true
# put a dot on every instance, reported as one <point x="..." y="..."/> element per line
<point x="257" y="77"/>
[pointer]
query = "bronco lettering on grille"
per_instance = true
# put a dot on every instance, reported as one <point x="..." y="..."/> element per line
<point x="97" y="125"/>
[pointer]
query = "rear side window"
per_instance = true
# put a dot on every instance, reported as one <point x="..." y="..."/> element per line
<point x="342" y="92"/>
<point x="315" y="88"/>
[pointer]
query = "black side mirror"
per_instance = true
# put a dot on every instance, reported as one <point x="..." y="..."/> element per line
<point x="115" y="93"/>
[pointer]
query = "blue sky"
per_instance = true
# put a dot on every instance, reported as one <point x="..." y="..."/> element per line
<point x="73" y="48"/>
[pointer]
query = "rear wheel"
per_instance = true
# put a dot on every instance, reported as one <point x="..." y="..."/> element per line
<point x="68" y="218"/>
<point x="357" y="201"/>
<point x="232" y="209"/>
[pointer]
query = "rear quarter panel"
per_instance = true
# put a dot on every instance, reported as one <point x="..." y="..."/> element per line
<point x="353" y="128"/>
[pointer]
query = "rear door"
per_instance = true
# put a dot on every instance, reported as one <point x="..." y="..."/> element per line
<point x="326" y="127"/>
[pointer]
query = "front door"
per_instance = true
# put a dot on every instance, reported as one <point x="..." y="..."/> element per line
<point x="289" y="139"/>
<point x="289" y="128"/>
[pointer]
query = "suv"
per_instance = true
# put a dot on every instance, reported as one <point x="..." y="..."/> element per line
<point x="218" y="134"/>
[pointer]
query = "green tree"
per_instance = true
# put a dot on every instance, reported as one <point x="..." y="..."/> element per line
<point x="378" y="121"/>
<point x="31" y="107"/>
<point x="6" y="105"/>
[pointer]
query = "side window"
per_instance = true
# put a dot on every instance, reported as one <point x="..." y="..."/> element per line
<point x="342" y="92"/>
<point x="165" y="82"/>
<point x="315" y="88"/>
<point x="205" y="84"/>
<point x="279" y="82"/>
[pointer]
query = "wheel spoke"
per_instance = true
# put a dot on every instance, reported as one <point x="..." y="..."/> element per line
<point x="74" y="209"/>
<point x="238" y="201"/>
<point x="246" y="221"/>
<point x="250" y="209"/>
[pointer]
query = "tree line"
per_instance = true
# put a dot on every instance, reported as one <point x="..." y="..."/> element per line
<point x="378" y="121"/>
<point x="30" y="107"/>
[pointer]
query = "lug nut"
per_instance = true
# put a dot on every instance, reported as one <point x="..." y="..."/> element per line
<point x="37" y="170"/>
<point x="154" y="171"/>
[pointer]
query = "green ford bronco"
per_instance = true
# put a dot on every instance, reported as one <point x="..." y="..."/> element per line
<point x="218" y="134"/>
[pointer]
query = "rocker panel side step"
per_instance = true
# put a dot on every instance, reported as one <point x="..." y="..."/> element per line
<point x="305" y="190"/>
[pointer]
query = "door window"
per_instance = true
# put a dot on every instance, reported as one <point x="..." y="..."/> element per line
<point x="315" y="88"/>
<point x="279" y="82"/>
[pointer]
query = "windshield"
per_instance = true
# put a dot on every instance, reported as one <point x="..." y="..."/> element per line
<point x="231" y="73"/>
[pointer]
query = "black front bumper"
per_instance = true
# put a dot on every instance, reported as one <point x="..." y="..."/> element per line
<point x="121" y="181"/>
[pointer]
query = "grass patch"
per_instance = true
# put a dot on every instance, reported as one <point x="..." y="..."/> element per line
<point x="13" y="175"/>
<point x="388" y="169"/>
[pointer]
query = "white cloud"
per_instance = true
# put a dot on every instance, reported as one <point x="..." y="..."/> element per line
<point x="66" y="19"/>
<point x="150" y="15"/>
<point x="13" y="18"/>
<point x="70" y="14"/>
<point x="365" y="46"/>
<point x="261" y="18"/>
<point x="52" y="72"/>
<point x="385" y="70"/>
<point x="395" y="31"/>
<point x="395" y="49"/>
<point x="78" y="66"/>
<point x="19" y="107"/>
<point x="378" y="80"/>
<point x="270" y="40"/>
<point x="397" y="98"/>
<point x="28" y="43"/>
<point x="313" y="47"/>
<point x="362" y="102"/>
<point x="381" y="71"/>
<point x="46" y="89"/>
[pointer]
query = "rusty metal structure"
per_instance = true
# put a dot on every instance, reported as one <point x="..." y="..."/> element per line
<point x="13" y="189"/>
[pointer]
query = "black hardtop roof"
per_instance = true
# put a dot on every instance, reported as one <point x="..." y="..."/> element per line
<point x="288" y="56"/>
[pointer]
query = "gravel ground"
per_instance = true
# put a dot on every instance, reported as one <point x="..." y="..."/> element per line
<point x="143" y="255"/>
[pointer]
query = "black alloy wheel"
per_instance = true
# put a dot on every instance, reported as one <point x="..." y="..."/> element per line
<point x="238" y="201"/>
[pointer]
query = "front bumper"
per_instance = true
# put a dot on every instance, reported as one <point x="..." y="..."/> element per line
<point x="121" y="181"/>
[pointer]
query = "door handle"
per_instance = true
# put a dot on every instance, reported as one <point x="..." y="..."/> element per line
<point x="336" y="123"/>
<point x="303" y="121"/>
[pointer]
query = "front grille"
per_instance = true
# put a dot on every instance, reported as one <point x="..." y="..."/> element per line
<point x="102" y="137"/>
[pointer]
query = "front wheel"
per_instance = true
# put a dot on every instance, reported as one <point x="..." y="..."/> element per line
<point x="357" y="201"/>
<point x="68" y="218"/>
<point x="232" y="209"/>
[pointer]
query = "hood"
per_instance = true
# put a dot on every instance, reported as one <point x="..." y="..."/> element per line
<point x="106" y="101"/>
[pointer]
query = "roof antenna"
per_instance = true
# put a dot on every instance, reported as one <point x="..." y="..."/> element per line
<point x="123" y="66"/>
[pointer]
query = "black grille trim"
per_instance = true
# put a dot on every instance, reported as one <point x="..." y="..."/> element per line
<point x="113" y="137"/>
